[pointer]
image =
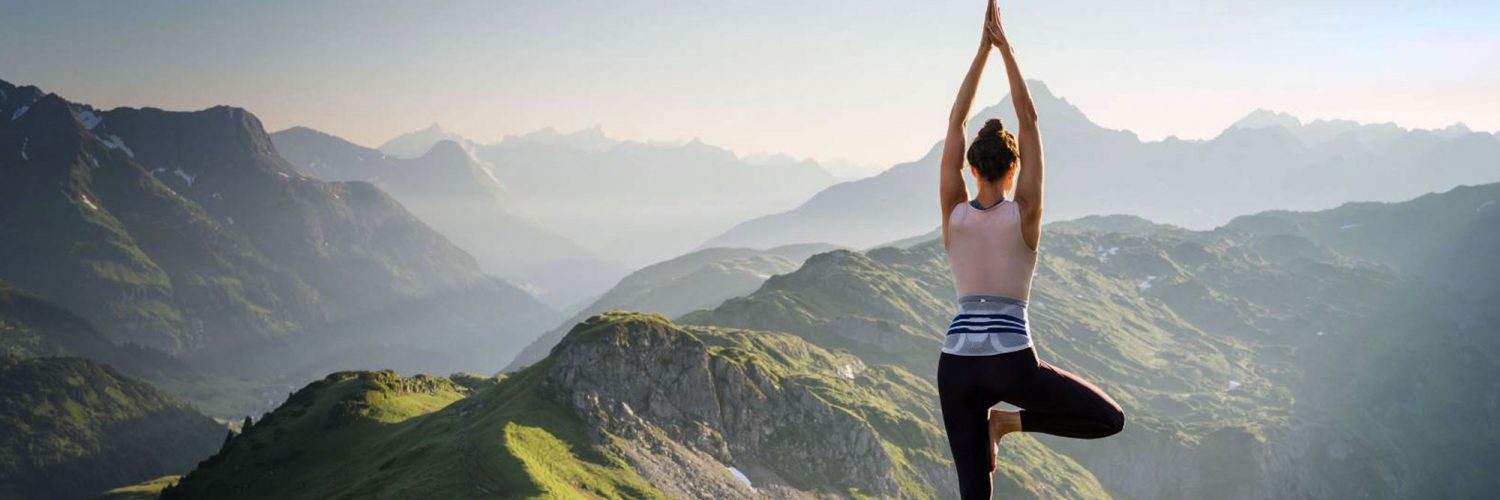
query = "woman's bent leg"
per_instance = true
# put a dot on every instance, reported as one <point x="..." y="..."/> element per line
<point x="1055" y="401"/>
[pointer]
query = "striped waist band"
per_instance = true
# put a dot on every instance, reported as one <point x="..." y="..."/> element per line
<point x="989" y="314"/>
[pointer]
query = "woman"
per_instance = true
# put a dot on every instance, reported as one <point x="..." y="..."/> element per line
<point x="988" y="356"/>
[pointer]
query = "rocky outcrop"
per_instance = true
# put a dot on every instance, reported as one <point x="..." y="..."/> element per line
<point x="644" y="379"/>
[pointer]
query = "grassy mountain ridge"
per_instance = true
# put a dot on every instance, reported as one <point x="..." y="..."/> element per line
<point x="1403" y="234"/>
<point x="1423" y="390"/>
<point x="74" y="428"/>
<point x="1244" y="357"/>
<point x="572" y="426"/>
<point x="676" y="286"/>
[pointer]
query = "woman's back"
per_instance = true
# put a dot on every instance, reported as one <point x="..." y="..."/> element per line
<point x="987" y="253"/>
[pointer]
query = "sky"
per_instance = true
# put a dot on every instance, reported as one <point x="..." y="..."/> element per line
<point x="869" y="81"/>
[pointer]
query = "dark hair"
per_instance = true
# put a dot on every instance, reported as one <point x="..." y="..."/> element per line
<point x="994" y="151"/>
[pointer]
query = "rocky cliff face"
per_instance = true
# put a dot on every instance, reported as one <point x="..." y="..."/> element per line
<point x="645" y="374"/>
<point x="794" y="418"/>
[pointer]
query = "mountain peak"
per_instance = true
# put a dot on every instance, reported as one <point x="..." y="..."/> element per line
<point x="1039" y="90"/>
<point x="416" y="143"/>
<point x="1055" y="110"/>
<point x="1265" y="118"/>
<point x="211" y="139"/>
<point x="1456" y="129"/>
<point x="447" y="151"/>
<point x="299" y="130"/>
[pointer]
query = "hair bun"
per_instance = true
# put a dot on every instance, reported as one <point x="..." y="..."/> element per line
<point x="992" y="128"/>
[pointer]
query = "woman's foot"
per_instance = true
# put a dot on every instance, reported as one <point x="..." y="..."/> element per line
<point x="1002" y="422"/>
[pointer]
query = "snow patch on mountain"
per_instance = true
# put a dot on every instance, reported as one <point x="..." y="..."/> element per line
<point x="846" y="371"/>
<point x="1105" y="254"/>
<point x="20" y="111"/>
<point x="88" y="118"/>
<point x="112" y="141"/>
<point x="741" y="476"/>
<point x="186" y="176"/>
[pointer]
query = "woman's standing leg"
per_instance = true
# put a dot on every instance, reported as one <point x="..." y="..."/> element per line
<point x="965" y="404"/>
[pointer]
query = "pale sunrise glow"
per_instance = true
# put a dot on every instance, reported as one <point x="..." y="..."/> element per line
<point x="867" y="81"/>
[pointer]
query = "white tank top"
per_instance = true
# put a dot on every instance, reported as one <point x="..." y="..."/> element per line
<point x="986" y="252"/>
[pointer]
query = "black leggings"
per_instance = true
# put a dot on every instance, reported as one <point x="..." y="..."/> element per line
<point x="1052" y="401"/>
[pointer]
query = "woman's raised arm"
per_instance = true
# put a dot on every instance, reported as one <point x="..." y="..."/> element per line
<point x="1029" y="181"/>
<point x="951" y="189"/>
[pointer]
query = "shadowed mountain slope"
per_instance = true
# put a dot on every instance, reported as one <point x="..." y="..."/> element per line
<point x="72" y="428"/>
<point x="186" y="232"/>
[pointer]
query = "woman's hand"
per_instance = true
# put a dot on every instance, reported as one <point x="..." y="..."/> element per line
<point x="993" y="30"/>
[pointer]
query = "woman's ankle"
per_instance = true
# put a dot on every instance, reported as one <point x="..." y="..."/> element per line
<point x="1005" y="421"/>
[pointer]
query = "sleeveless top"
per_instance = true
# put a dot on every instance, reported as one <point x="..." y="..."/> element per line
<point x="992" y="269"/>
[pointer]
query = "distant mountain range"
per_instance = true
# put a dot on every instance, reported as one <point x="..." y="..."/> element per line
<point x="841" y="170"/>
<point x="1266" y="161"/>
<point x="638" y="202"/>
<point x="187" y="232"/>
<point x="462" y="198"/>
<point x="520" y="204"/>
<point x="416" y="143"/>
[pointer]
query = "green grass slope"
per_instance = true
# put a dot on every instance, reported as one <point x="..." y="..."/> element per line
<point x="628" y="406"/>
<point x="1247" y="357"/>
<point x="72" y="428"/>
<point x="145" y="490"/>
<point x="381" y="435"/>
